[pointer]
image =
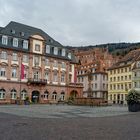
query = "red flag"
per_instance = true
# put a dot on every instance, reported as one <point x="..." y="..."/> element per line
<point x="22" y="71"/>
<point x="75" y="75"/>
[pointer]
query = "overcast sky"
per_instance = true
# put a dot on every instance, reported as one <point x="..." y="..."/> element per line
<point x="77" y="22"/>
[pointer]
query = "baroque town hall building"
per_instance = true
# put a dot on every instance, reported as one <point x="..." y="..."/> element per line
<point x="48" y="68"/>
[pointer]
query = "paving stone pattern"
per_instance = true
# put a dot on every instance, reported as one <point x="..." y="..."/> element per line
<point x="62" y="111"/>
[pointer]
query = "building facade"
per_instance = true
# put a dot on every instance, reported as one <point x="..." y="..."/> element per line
<point x="92" y="71"/>
<point x="136" y="75"/>
<point x="34" y="65"/>
<point x="121" y="78"/>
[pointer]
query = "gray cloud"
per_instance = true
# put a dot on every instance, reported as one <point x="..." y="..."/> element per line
<point x="77" y="22"/>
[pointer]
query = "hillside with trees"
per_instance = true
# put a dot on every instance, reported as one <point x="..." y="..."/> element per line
<point x="119" y="49"/>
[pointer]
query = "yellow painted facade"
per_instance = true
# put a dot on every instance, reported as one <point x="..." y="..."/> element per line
<point x="119" y="83"/>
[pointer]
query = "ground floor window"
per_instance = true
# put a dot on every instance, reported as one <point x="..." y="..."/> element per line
<point x="46" y="95"/>
<point x="2" y="93"/>
<point x="23" y="94"/>
<point x="54" y="95"/>
<point x="62" y="96"/>
<point x="13" y="94"/>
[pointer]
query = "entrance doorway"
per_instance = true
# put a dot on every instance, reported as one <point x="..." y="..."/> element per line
<point x="73" y="94"/>
<point x="35" y="96"/>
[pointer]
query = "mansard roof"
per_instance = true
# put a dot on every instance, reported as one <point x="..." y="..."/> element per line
<point x="28" y="32"/>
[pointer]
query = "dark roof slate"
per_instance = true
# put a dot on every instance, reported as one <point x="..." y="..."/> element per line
<point x="28" y="31"/>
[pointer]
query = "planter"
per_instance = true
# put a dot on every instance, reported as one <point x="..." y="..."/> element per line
<point x="134" y="107"/>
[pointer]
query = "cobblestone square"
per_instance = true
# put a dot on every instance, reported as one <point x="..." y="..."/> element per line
<point x="62" y="122"/>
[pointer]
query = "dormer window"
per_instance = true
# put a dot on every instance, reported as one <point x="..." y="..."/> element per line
<point x="13" y="31"/>
<point x="37" y="47"/>
<point x="22" y="33"/>
<point x="55" y="50"/>
<point x="69" y="55"/>
<point x="4" y="40"/>
<point x="47" y="49"/>
<point x="25" y="44"/>
<point x="63" y="52"/>
<point x="15" y="42"/>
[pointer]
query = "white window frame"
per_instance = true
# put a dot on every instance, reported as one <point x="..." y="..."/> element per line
<point x="55" y="51"/>
<point x="15" y="57"/>
<point x="47" y="48"/>
<point x="63" y="52"/>
<point x="25" y="44"/>
<point x="14" y="72"/>
<point x="4" y="40"/>
<point x="63" y="77"/>
<point x="69" y="55"/>
<point x="47" y="75"/>
<point x="4" y="55"/>
<point x="23" y="95"/>
<point x="2" y="72"/>
<point x="55" y="76"/>
<point x="37" y="47"/>
<point x="2" y="93"/>
<point x="15" y="42"/>
<point x="25" y="58"/>
<point x="36" y="75"/>
<point x="13" y="94"/>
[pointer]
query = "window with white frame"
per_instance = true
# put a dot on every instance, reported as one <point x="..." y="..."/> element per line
<point x="2" y="72"/>
<point x="25" y="73"/>
<point x="36" y="61"/>
<point x="55" y="50"/>
<point x="4" y="40"/>
<point x="55" y="64"/>
<point x="63" y="77"/>
<point x="2" y="93"/>
<point x="62" y="96"/>
<point x="69" y="55"/>
<point x="3" y="55"/>
<point x="47" y="48"/>
<point x="15" y="57"/>
<point x="55" y="76"/>
<point x="15" y="42"/>
<point x="25" y="58"/>
<point x="47" y="62"/>
<point x="13" y="94"/>
<point x="25" y="44"/>
<point x="63" y="65"/>
<point x="46" y="95"/>
<point x="23" y="94"/>
<point x="37" y="47"/>
<point x="54" y="95"/>
<point x="36" y="75"/>
<point x="63" y="52"/>
<point x="14" y="72"/>
<point x="47" y="75"/>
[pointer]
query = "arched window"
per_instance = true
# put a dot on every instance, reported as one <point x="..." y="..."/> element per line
<point x="23" y="94"/>
<point x="46" y="95"/>
<point x="62" y="96"/>
<point x="2" y="93"/>
<point x="54" y="95"/>
<point x="13" y="94"/>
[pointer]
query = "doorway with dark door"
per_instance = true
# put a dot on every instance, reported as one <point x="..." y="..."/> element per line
<point x="35" y="96"/>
